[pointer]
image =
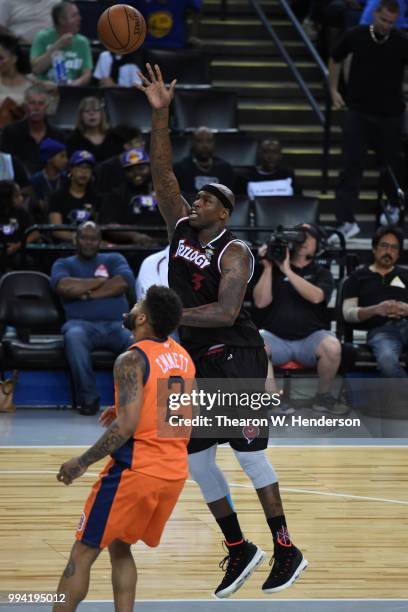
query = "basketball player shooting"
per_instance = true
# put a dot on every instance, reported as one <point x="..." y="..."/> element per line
<point x="139" y="487"/>
<point x="209" y="269"/>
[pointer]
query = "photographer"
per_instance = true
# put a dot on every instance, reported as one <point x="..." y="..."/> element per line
<point x="292" y="295"/>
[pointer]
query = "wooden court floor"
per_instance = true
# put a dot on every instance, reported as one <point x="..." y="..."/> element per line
<point x="347" y="508"/>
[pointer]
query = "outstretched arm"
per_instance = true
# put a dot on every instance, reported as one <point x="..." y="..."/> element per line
<point x="235" y="272"/>
<point x="171" y="203"/>
<point x="128" y="374"/>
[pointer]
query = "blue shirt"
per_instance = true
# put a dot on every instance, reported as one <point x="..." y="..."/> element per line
<point x="166" y="21"/>
<point x="107" y="265"/>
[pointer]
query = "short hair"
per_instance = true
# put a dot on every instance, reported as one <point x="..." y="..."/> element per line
<point x="125" y="134"/>
<point x="390" y="5"/>
<point x="58" y="11"/>
<point x="164" y="309"/>
<point x="88" y="224"/>
<point x="91" y="101"/>
<point x="38" y="88"/>
<point x="11" y="43"/>
<point x="383" y="230"/>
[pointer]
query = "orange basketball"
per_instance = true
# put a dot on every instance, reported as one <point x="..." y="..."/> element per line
<point x="121" y="29"/>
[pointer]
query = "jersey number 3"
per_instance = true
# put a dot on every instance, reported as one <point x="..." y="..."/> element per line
<point x="197" y="280"/>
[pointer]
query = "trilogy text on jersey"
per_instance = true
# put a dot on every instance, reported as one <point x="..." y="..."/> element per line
<point x="189" y="253"/>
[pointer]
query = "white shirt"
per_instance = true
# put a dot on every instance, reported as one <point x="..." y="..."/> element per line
<point x="153" y="271"/>
<point x="128" y="73"/>
<point x="26" y="17"/>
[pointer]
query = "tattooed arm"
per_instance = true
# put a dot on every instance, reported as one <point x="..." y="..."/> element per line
<point x="128" y="373"/>
<point x="171" y="203"/>
<point x="235" y="272"/>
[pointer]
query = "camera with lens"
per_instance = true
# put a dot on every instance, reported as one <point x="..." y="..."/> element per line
<point x="284" y="238"/>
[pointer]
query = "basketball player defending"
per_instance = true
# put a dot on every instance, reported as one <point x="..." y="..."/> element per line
<point x="210" y="269"/>
<point x="138" y="489"/>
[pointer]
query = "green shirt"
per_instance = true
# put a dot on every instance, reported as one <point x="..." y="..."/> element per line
<point x="77" y="55"/>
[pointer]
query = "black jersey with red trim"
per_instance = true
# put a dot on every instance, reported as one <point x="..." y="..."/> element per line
<point x="194" y="273"/>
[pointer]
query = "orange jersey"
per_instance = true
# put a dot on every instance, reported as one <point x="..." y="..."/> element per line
<point x="169" y="369"/>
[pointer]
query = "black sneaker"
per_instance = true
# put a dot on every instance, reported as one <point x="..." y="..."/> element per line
<point x="238" y="565"/>
<point x="326" y="403"/>
<point x="288" y="564"/>
<point x="89" y="409"/>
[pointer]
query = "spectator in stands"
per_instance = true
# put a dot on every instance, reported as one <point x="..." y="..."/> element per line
<point x="376" y="299"/>
<point x="117" y="70"/>
<point x="11" y="169"/>
<point x="93" y="288"/>
<point x="14" y="221"/>
<point x="153" y="271"/>
<point x="374" y="101"/>
<point x="292" y="296"/>
<point x="25" y="19"/>
<point x="367" y="16"/>
<point x="133" y="203"/>
<point x="22" y="138"/>
<point x="110" y="173"/>
<point x="270" y="178"/>
<point x="166" y="22"/>
<point x="53" y="154"/>
<point x="76" y="201"/>
<point x="201" y="166"/>
<point x="92" y="131"/>
<point x="60" y="53"/>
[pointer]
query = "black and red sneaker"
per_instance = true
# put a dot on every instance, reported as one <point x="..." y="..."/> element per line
<point x="288" y="564"/>
<point x="238" y="565"/>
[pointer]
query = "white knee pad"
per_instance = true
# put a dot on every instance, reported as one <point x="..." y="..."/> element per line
<point x="208" y="475"/>
<point x="257" y="467"/>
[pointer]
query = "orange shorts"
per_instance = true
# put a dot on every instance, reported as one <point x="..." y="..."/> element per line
<point x="128" y="506"/>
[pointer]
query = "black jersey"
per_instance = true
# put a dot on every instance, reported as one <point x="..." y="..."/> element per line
<point x="195" y="273"/>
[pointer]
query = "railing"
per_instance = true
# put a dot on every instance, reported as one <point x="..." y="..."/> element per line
<point x="324" y="118"/>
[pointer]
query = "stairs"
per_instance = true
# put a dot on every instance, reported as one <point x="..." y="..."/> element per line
<point x="243" y="58"/>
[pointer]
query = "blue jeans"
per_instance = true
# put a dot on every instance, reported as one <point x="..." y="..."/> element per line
<point x="387" y="343"/>
<point x="80" y="339"/>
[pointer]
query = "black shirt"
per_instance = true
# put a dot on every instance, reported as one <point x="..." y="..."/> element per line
<point x="191" y="178"/>
<point x="13" y="224"/>
<point x="109" y="175"/>
<point x="371" y="288"/>
<point x="376" y="72"/>
<point x="16" y="140"/>
<point x="194" y="274"/>
<point x="73" y="210"/>
<point x="107" y="148"/>
<point x="290" y="316"/>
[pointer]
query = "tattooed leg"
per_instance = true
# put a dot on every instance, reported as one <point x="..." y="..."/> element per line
<point x="74" y="582"/>
<point x="124" y="576"/>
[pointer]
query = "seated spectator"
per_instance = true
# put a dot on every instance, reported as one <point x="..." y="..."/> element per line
<point x="201" y="166"/>
<point x="92" y="131"/>
<point x="133" y="203"/>
<point x="270" y="178"/>
<point x="22" y="139"/>
<point x="59" y="53"/>
<point x="14" y="221"/>
<point x="117" y="70"/>
<point x="54" y="156"/>
<point x="292" y="296"/>
<point x="76" y="201"/>
<point x="166" y="22"/>
<point x="93" y="288"/>
<point x="153" y="271"/>
<point x="110" y="173"/>
<point x="24" y="19"/>
<point x="376" y="299"/>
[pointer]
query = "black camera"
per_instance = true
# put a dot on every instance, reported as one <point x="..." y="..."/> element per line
<point x="282" y="239"/>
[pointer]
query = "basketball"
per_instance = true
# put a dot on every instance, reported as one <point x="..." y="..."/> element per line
<point x="121" y="29"/>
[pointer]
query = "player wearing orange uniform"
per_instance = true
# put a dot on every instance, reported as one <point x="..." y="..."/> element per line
<point x="139" y="487"/>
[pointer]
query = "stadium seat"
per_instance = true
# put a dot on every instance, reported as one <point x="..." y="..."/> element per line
<point x="241" y="217"/>
<point x="238" y="149"/>
<point x="188" y="66"/>
<point x="180" y="145"/>
<point x="272" y="211"/>
<point x="65" y="116"/>
<point x="214" y="108"/>
<point x="128" y="106"/>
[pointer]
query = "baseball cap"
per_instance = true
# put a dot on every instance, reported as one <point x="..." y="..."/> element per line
<point x="134" y="157"/>
<point x="81" y="157"/>
<point x="50" y="147"/>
